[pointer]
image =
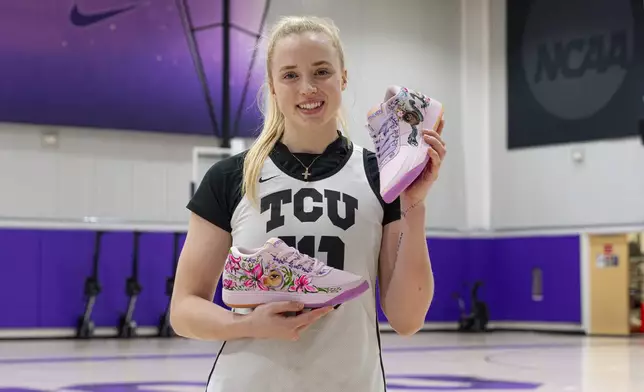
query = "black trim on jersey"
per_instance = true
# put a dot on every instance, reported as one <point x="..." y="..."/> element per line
<point x="382" y="365"/>
<point x="219" y="192"/>
<point x="331" y="161"/>
<point x="391" y="210"/>
<point x="221" y="349"/>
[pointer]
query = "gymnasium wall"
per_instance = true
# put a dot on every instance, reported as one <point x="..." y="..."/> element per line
<point x="143" y="177"/>
<point x="535" y="182"/>
<point x="115" y="173"/>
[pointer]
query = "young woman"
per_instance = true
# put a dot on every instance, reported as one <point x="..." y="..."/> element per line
<point x="301" y="163"/>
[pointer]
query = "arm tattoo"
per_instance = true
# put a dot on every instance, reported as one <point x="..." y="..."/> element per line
<point x="405" y="212"/>
<point x="399" y="243"/>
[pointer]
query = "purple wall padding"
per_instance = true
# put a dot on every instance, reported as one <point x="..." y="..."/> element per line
<point x="114" y="269"/>
<point x="505" y="265"/>
<point x="480" y="267"/>
<point x="155" y="266"/>
<point x="20" y="282"/>
<point x="66" y="261"/>
<point x="456" y="262"/>
<point x="449" y="260"/>
<point x="45" y="288"/>
<point x="559" y="259"/>
<point x="42" y="275"/>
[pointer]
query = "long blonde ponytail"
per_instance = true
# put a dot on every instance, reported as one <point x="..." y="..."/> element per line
<point x="257" y="154"/>
<point x="273" y="127"/>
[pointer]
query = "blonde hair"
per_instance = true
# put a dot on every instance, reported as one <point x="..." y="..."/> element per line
<point x="273" y="126"/>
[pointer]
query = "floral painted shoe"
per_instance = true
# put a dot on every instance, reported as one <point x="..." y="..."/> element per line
<point x="277" y="272"/>
<point x="396" y="127"/>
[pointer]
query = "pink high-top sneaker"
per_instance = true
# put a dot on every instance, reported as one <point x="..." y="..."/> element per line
<point x="396" y="126"/>
<point x="278" y="272"/>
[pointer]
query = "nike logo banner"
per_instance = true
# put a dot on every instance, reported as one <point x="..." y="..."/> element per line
<point x="85" y="19"/>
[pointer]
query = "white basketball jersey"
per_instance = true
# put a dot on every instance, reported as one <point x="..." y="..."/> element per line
<point x="337" y="219"/>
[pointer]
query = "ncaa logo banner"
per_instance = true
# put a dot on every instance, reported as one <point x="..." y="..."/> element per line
<point x="574" y="70"/>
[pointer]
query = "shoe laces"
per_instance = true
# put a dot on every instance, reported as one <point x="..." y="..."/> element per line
<point x="295" y="258"/>
<point x="382" y="139"/>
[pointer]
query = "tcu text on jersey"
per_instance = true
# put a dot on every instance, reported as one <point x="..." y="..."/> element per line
<point x="331" y="199"/>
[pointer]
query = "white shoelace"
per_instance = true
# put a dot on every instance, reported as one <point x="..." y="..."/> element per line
<point x="383" y="142"/>
<point x="302" y="260"/>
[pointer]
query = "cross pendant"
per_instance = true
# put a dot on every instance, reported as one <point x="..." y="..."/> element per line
<point x="306" y="173"/>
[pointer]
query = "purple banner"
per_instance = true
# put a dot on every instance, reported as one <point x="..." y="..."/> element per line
<point x="129" y="64"/>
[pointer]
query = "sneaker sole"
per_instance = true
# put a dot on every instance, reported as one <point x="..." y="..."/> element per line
<point x="392" y="193"/>
<point x="236" y="299"/>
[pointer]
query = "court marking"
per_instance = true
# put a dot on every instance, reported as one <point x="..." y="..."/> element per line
<point x="458" y="383"/>
<point x="484" y="348"/>
<point x="139" y="357"/>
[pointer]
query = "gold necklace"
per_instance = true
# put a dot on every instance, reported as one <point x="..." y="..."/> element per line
<point x="306" y="174"/>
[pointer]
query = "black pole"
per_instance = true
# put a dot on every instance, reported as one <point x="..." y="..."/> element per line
<point x="253" y="59"/>
<point x="225" y="126"/>
<point x="135" y="256"/>
<point x="189" y="29"/>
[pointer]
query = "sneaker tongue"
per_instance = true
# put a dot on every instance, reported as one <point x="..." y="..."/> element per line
<point x="276" y="242"/>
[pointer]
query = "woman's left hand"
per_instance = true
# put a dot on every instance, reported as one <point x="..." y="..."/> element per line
<point x="417" y="191"/>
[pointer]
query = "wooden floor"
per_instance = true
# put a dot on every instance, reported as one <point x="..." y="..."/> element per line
<point x="426" y="362"/>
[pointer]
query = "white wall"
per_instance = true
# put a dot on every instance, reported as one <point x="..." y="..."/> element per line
<point x="145" y="176"/>
<point x="451" y="50"/>
<point x="475" y="112"/>
<point x="414" y="43"/>
<point x="111" y="175"/>
<point x="543" y="187"/>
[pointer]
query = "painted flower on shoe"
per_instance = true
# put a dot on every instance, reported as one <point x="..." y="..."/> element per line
<point x="303" y="284"/>
<point x="232" y="266"/>
<point x="229" y="284"/>
<point x="255" y="278"/>
<point x="255" y="274"/>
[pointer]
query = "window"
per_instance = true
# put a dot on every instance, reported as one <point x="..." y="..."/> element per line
<point x="537" y="284"/>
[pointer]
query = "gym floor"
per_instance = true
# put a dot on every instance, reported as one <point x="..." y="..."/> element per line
<point x="496" y="361"/>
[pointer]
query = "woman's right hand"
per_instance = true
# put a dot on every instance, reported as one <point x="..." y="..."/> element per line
<point x="268" y="321"/>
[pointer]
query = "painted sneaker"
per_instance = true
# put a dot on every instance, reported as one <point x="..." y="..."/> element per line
<point x="395" y="127"/>
<point x="277" y="272"/>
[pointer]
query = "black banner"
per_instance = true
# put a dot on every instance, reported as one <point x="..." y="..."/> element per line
<point x="575" y="70"/>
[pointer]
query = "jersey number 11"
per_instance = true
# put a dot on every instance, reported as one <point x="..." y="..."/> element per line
<point x="332" y="246"/>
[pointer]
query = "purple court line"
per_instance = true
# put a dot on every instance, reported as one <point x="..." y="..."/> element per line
<point x="15" y="361"/>
<point x="479" y="347"/>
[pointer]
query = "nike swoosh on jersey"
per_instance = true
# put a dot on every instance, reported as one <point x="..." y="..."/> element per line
<point x="80" y="19"/>
<point x="266" y="179"/>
